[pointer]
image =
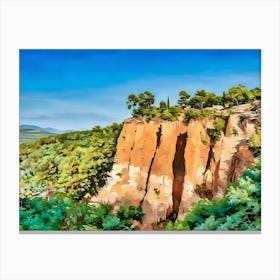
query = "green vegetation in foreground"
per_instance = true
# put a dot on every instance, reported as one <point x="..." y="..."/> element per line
<point x="29" y="135"/>
<point x="55" y="214"/>
<point x="73" y="165"/>
<point x="239" y="209"/>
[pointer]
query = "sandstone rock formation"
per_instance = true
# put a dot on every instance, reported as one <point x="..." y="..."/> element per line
<point x="166" y="166"/>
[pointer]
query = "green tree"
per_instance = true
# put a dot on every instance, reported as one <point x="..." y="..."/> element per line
<point x="203" y="99"/>
<point x="223" y="99"/>
<point x="183" y="100"/>
<point x="162" y="106"/>
<point x="211" y="99"/>
<point x="198" y="100"/>
<point x="256" y="93"/>
<point x="132" y="101"/>
<point x="237" y="95"/>
<point x="146" y="99"/>
<point x="140" y="103"/>
<point x="168" y="103"/>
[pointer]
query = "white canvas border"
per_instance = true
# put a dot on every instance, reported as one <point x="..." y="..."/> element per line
<point x="143" y="24"/>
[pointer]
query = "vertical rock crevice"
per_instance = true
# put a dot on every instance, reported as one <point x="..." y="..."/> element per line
<point x="179" y="174"/>
<point x="152" y="161"/>
<point x="210" y="157"/>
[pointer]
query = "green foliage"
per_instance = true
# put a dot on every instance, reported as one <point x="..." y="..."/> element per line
<point x="166" y="115"/>
<point x="139" y="103"/>
<point x="28" y="135"/>
<point x="255" y="143"/>
<point x="162" y="106"/>
<point x="203" y="139"/>
<point x="214" y="134"/>
<point x="219" y="123"/>
<point x="133" y="212"/>
<point x="240" y="95"/>
<point x="171" y="114"/>
<point x="219" y="126"/>
<point x="41" y="214"/>
<point x="175" y="111"/>
<point x="234" y="131"/>
<point x="203" y="99"/>
<point x="183" y="100"/>
<point x="55" y="214"/>
<point x="236" y="95"/>
<point x="195" y="114"/>
<point x="73" y="164"/>
<point x="198" y="100"/>
<point x="167" y="103"/>
<point x="255" y="94"/>
<point x="239" y="209"/>
<point x="151" y="113"/>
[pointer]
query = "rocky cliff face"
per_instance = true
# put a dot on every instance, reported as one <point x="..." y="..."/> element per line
<point x="166" y="166"/>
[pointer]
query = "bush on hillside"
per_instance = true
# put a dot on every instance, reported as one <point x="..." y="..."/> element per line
<point x="239" y="209"/>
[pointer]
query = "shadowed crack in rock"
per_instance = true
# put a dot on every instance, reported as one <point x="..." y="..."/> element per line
<point x="179" y="174"/>
<point x="210" y="156"/>
<point x="152" y="161"/>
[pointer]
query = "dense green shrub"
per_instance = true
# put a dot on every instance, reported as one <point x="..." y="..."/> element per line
<point x="175" y="111"/>
<point x="166" y="115"/>
<point x="219" y="123"/>
<point x="195" y="114"/>
<point x="214" y="134"/>
<point x="151" y="113"/>
<point x="55" y="214"/>
<point x="255" y="143"/>
<point x="239" y="209"/>
<point x="219" y="127"/>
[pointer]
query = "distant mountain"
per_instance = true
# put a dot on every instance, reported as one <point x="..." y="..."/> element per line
<point x="28" y="135"/>
<point x="44" y="129"/>
<point x="29" y="126"/>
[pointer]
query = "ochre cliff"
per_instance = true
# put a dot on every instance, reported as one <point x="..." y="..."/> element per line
<point x="166" y="166"/>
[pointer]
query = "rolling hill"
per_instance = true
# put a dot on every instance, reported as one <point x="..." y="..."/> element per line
<point x="28" y="135"/>
<point x="28" y="132"/>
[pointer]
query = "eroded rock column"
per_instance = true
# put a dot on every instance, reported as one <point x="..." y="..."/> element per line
<point x="196" y="157"/>
<point x="158" y="202"/>
<point x="136" y="146"/>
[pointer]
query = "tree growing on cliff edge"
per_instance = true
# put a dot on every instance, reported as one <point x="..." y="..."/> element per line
<point x="239" y="95"/>
<point x="183" y="100"/>
<point x="139" y="103"/>
<point x="203" y="99"/>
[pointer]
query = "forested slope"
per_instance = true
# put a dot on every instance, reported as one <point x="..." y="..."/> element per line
<point x="74" y="164"/>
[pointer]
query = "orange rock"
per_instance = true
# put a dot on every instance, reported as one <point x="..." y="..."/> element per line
<point x="161" y="165"/>
<point x="242" y="159"/>
<point x="196" y="156"/>
<point x="135" y="150"/>
<point x="158" y="202"/>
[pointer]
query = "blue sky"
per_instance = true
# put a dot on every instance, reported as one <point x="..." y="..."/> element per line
<point x="77" y="89"/>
